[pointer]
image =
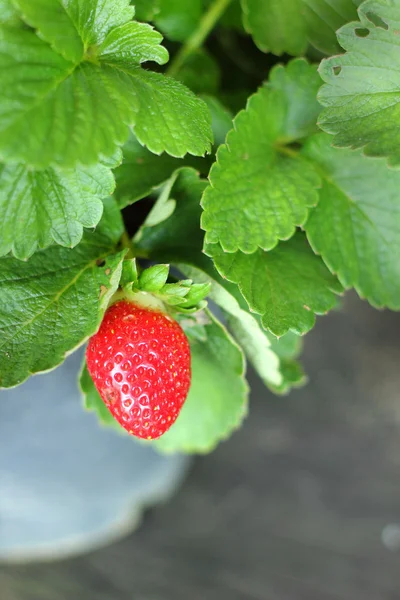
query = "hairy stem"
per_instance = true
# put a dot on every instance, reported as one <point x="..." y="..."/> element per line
<point x="195" y="41"/>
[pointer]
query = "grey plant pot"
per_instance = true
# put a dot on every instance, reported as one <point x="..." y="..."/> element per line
<point x="66" y="484"/>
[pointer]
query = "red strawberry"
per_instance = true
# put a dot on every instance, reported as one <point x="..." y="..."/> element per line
<point x="139" y="361"/>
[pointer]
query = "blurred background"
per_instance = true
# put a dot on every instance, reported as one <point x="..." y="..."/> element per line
<point x="302" y="503"/>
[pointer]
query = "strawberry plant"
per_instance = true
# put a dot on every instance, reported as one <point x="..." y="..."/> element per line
<point x="161" y="154"/>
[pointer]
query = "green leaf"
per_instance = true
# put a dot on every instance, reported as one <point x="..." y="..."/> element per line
<point x="146" y="10"/>
<point x="142" y="171"/>
<point x="356" y="226"/>
<point x="280" y="26"/>
<point x="257" y="348"/>
<point x="324" y="17"/>
<point x="259" y="190"/>
<point x="171" y="118"/>
<point x="362" y="91"/>
<point x="200" y="72"/>
<point x="165" y="205"/>
<point x="133" y="42"/>
<point x="9" y="13"/>
<point x="51" y="304"/>
<point x="286" y="286"/>
<point x="55" y="111"/>
<point x="93" y="402"/>
<point x="217" y="400"/>
<point x="293" y="376"/>
<point x="38" y="208"/>
<point x="72" y="26"/>
<point x="130" y="275"/>
<point x="153" y="278"/>
<point x="177" y="19"/>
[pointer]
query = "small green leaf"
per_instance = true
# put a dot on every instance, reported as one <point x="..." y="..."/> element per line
<point x="130" y="274"/>
<point x="178" y="290"/>
<point x="39" y="207"/>
<point x="197" y="292"/>
<point x="136" y="42"/>
<point x="362" y="92"/>
<point x="93" y="402"/>
<point x="259" y="189"/>
<point x="153" y="278"/>
<point x="177" y="19"/>
<point x="165" y="205"/>
<point x="217" y="400"/>
<point x="356" y="226"/>
<point x="55" y="301"/>
<point x="287" y="286"/>
<point x="280" y="26"/>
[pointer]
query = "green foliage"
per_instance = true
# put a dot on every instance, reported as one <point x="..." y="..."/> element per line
<point x="362" y="93"/>
<point x="287" y="286"/>
<point x="39" y="207"/>
<point x="51" y="304"/>
<point x="254" y="176"/>
<point x="271" y="226"/>
<point x="178" y="239"/>
<point x="356" y="225"/>
<point x="289" y="26"/>
<point x="89" y="65"/>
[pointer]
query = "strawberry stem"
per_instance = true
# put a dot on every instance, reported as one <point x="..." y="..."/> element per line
<point x="126" y="242"/>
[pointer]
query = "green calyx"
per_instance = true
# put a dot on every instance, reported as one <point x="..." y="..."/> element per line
<point x="150" y="288"/>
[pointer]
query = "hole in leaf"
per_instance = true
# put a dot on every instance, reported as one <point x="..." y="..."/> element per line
<point x="377" y="21"/>
<point x="100" y="262"/>
<point x="336" y="70"/>
<point x="362" y="32"/>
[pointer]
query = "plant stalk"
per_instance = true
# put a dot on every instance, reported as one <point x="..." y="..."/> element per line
<point x="195" y="41"/>
<point x="127" y="243"/>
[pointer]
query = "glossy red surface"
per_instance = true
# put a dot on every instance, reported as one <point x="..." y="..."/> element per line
<point x="139" y="361"/>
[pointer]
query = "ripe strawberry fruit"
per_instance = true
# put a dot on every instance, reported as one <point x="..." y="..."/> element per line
<point x="139" y="361"/>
